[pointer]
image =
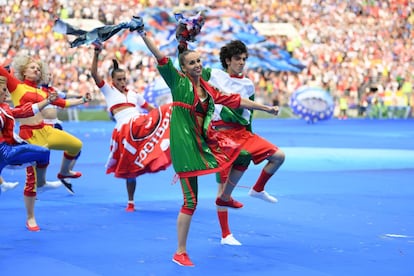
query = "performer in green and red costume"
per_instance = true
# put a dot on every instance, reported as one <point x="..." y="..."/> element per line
<point x="195" y="149"/>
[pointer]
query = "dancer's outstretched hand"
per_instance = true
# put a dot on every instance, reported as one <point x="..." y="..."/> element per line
<point x="273" y="110"/>
<point x="87" y="97"/>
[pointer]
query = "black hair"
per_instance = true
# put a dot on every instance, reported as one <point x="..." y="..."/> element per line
<point x="183" y="51"/>
<point x="116" y="68"/>
<point x="182" y="47"/>
<point x="231" y="49"/>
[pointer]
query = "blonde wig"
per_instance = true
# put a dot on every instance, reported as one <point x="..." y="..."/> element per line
<point x="20" y="63"/>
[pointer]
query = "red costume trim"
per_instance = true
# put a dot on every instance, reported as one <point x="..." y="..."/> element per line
<point x="120" y="105"/>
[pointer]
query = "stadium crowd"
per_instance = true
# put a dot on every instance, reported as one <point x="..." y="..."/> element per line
<point x="360" y="51"/>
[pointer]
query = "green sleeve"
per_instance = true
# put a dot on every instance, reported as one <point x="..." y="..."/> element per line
<point x="170" y="74"/>
<point x="206" y="74"/>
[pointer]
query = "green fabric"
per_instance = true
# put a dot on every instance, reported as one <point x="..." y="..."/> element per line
<point x="243" y="159"/>
<point x="189" y="150"/>
<point x="189" y="187"/>
<point x="227" y="114"/>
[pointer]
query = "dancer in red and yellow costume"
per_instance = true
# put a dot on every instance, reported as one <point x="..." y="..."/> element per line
<point x="14" y="151"/>
<point x="24" y="88"/>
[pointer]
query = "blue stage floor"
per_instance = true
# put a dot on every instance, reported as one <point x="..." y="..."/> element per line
<point x="346" y="207"/>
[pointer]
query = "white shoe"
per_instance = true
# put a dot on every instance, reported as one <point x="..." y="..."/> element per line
<point x="262" y="195"/>
<point x="50" y="185"/>
<point x="5" y="186"/>
<point x="230" y="240"/>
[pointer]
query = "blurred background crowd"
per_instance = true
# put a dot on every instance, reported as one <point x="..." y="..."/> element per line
<point x="359" y="51"/>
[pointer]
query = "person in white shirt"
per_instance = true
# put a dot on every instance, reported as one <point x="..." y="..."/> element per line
<point x="233" y="58"/>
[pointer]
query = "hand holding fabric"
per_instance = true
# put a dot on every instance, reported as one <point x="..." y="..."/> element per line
<point x="98" y="46"/>
<point x="137" y="24"/>
<point x="189" y="28"/>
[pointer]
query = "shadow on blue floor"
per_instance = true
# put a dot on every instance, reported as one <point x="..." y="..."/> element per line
<point x="345" y="207"/>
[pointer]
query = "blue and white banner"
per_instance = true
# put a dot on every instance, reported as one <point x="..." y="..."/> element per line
<point x="157" y="92"/>
<point x="312" y="104"/>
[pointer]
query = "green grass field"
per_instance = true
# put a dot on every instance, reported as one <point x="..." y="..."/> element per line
<point x="86" y="115"/>
<point x="102" y="114"/>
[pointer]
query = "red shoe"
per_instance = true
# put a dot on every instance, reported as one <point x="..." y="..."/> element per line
<point x="32" y="228"/>
<point x="230" y="203"/>
<point x="74" y="175"/>
<point x="130" y="207"/>
<point x="182" y="259"/>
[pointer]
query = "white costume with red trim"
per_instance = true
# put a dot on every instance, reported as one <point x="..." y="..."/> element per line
<point x="140" y="142"/>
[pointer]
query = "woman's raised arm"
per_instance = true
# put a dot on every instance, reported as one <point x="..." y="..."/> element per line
<point x="147" y="40"/>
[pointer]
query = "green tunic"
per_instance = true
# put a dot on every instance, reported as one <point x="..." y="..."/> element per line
<point x="192" y="152"/>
